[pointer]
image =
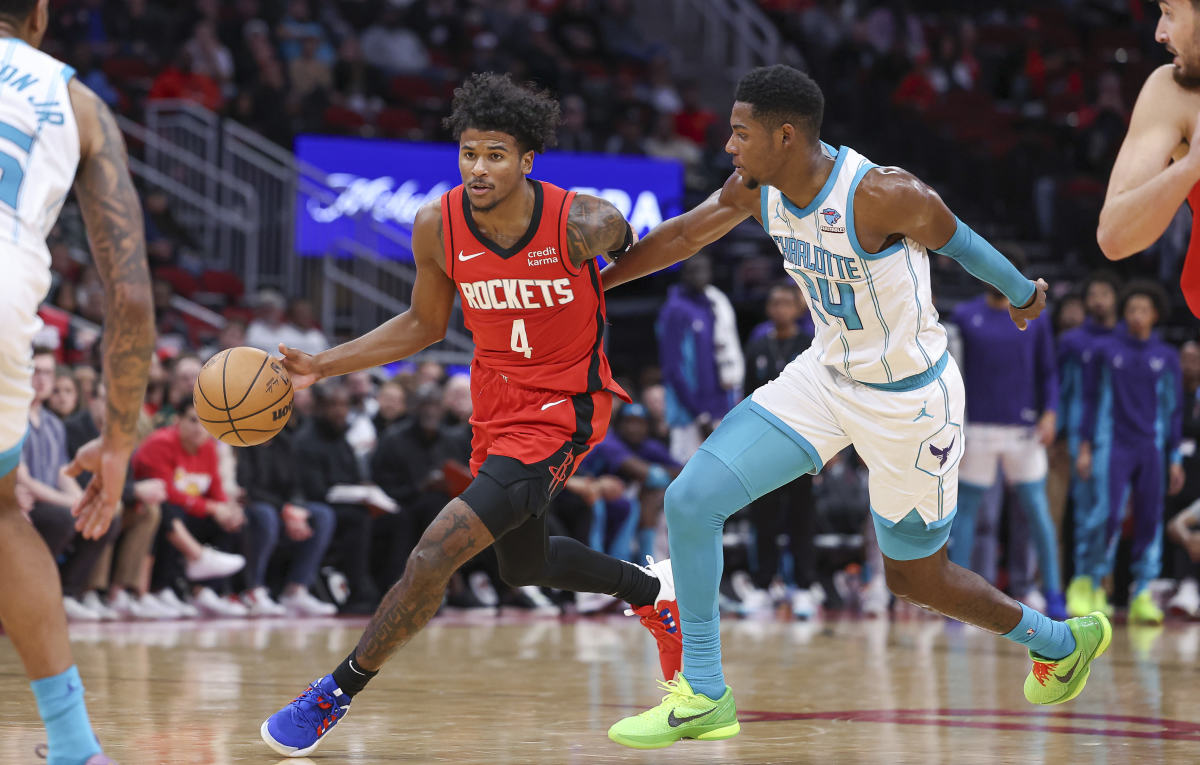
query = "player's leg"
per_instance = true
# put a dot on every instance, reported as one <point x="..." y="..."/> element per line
<point x="32" y="614"/>
<point x="1146" y="558"/>
<point x="751" y="453"/>
<point x="1088" y="541"/>
<point x="1025" y="467"/>
<point x="455" y="536"/>
<point x="1114" y="475"/>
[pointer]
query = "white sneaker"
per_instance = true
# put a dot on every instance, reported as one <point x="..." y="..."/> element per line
<point x="143" y="607"/>
<point x="876" y="598"/>
<point x="91" y="599"/>
<point x="1035" y="600"/>
<point x="258" y="603"/>
<point x="804" y="605"/>
<point x="212" y="604"/>
<point x="481" y="585"/>
<point x="304" y="603"/>
<point x="541" y="604"/>
<point x="169" y="601"/>
<point x="662" y="571"/>
<point x="78" y="612"/>
<point x="753" y="599"/>
<point x="214" y="564"/>
<point x="1186" y="599"/>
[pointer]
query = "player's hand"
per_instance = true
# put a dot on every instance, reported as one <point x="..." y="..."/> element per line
<point x="301" y="367"/>
<point x="107" y="463"/>
<point x="1083" y="463"/>
<point x="1047" y="427"/>
<point x="1177" y="478"/>
<point x="1021" y="316"/>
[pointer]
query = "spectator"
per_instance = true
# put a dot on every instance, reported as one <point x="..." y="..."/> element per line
<point x="456" y="397"/>
<point x="360" y="431"/>
<point x="393" y="408"/>
<point x="209" y="57"/>
<point x="128" y="581"/>
<point x="1129" y="443"/>
<point x="43" y="457"/>
<point x="298" y="25"/>
<point x="329" y="462"/>
<point x="789" y="509"/>
<point x="232" y="335"/>
<point x="693" y="121"/>
<point x="64" y="400"/>
<point x="693" y="344"/>
<point x="1185" y="506"/>
<point x="270" y="474"/>
<point x="309" y="74"/>
<point x="574" y="134"/>
<point x="409" y="465"/>
<point x="182" y="382"/>
<point x="392" y="47"/>
<point x="179" y="81"/>
<point x="270" y="326"/>
<point x="310" y="338"/>
<point x="1011" y="380"/>
<point x="654" y="398"/>
<point x="357" y="85"/>
<point x="196" y="513"/>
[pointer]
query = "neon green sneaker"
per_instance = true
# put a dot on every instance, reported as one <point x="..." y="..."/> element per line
<point x="683" y="713"/>
<point x="1100" y="601"/>
<point x="1079" y="596"/>
<point x="1053" y="682"/>
<point x="1143" y="609"/>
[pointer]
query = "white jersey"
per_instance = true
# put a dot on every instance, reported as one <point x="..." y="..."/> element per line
<point x="873" y="312"/>
<point x="39" y="154"/>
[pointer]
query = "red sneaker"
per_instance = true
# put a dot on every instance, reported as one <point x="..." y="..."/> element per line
<point x="662" y="619"/>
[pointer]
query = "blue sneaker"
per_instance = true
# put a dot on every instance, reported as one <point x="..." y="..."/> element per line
<point x="1056" y="606"/>
<point x="297" y="729"/>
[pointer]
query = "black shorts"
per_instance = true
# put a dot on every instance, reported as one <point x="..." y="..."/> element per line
<point x="507" y="492"/>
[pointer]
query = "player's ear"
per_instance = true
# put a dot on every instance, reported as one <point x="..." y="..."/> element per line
<point x="527" y="162"/>
<point x="787" y="134"/>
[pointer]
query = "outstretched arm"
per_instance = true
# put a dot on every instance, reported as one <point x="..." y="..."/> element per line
<point x="116" y="232"/>
<point x="891" y="204"/>
<point x="422" y="325"/>
<point x="684" y="235"/>
<point x="1144" y="193"/>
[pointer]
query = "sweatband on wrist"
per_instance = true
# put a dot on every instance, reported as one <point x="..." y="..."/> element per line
<point x="984" y="262"/>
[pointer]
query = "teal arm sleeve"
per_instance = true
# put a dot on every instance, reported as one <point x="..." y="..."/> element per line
<point x="984" y="262"/>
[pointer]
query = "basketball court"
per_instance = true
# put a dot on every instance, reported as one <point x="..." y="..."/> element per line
<point x="478" y="688"/>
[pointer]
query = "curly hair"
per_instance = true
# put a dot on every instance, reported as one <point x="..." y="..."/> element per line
<point x="1149" y="289"/>
<point x="780" y="94"/>
<point x="490" y="101"/>
<point x="17" y="10"/>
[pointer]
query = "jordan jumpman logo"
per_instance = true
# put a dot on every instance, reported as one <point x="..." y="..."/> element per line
<point x="923" y="413"/>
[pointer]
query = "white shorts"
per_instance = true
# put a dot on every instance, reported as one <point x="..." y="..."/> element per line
<point x="910" y="439"/>
<point x="19" y="301"/>
<point x="1014" y="447"/>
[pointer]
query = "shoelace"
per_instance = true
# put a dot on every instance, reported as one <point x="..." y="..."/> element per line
<point x="326" y="709"/>
<point x="674" y="692"/>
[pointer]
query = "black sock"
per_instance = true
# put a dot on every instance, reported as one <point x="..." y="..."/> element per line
<point x="635" y="586"/>
<point x="350" y="677"/>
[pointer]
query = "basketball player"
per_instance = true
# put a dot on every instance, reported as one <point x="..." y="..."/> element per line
<point x="856" y="238"/>
<point x="54" y="131"/>
<point x="1155" y="172"/>
<point x="521" y="253"/>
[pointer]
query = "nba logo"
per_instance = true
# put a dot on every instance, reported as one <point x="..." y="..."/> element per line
<point x="831" y="217"/>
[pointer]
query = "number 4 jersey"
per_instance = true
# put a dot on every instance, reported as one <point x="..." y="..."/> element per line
<point x="873" y="312"/>
<point x="537" y="321"/>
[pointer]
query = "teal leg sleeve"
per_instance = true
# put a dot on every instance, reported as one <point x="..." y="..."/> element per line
<point x="962" y="535"/>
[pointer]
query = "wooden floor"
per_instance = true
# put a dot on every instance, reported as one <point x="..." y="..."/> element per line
<point x="517" y="689"/>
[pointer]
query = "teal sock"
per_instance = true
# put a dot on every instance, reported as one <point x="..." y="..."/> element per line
<point x="1042" y="635"/>
<point x="68" y="730"/>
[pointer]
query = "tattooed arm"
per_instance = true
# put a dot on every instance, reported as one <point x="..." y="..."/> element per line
<point x="422" y="325"/>
<point x="115" y="228"/>
<point x="595" y="227"/>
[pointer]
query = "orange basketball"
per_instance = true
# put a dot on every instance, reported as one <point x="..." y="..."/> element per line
<point x="243" y="396"/>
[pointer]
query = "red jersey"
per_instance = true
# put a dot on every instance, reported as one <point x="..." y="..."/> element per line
<point x="192" y="479"/>
<point x="536" y="320"/>
<point x="1189" y="281"/>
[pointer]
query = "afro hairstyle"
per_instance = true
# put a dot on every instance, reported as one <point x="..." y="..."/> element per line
<point x="490" y="101"/>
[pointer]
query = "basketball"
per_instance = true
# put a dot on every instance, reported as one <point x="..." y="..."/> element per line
<point x="243" y="396"/>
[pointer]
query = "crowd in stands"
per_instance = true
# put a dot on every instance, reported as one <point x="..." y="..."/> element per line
<point x="320" y="519"/>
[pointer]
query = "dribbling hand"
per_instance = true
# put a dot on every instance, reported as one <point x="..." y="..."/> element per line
<point x="1022" y="316"/>
<point x="108" y="464"/>
<point x="300" y="366"/>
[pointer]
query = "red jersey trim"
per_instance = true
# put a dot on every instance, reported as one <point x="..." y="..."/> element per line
<point x="564" y="216"/>
<point x="448" y="230"/>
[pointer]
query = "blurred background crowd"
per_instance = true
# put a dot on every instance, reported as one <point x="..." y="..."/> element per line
<point x="1012" y="110"/>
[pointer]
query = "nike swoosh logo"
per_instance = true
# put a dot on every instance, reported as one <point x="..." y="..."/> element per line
<point x="553" y="403"/>
<point x="465" y="258"/>
<point x="1067" y="677"/>
<point x="675" y="722"/>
